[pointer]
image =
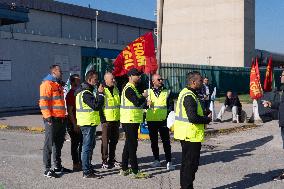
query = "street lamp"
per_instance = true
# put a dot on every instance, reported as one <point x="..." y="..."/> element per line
<point x="97" y="13"/>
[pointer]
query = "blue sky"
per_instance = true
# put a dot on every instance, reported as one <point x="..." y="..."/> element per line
<point x="269" y="23"/>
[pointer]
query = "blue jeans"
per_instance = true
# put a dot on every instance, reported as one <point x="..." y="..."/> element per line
<point x="89" y="142"/>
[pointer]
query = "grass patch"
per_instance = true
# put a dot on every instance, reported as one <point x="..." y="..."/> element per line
<point x="244" y="98"/>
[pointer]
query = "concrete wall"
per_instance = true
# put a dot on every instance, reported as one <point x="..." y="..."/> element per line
<point x="44" y="23"/>
<point x="33" y="47"/>
<point x="106" y="32"/>
<point x="249" y="32"/>
<point x="70" y="27"/>
<point x="76" y="28"/>
<point x="194" y="30"/>
<point x="127" y="34"/>
<point x="30" y="63"/>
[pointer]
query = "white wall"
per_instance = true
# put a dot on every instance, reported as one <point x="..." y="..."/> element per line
<point x="194" y="30"/>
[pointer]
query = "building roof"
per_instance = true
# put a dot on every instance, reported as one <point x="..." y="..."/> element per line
<point x="11" y="14"/>
<point x="277" y="58"/>
<point x="82" y="12"/>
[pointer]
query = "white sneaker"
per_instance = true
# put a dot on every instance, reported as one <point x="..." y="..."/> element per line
<point x="170" y="166"/>
<point x="156" y="163"/>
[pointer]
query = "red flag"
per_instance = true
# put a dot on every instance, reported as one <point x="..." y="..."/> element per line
<point x="267" y="87"/>
<point x="258" y="75"/>
<point x="255" y="86"/>
<point x="138" y="54"/>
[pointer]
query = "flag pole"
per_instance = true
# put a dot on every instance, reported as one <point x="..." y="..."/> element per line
<point x="149" y="87"/>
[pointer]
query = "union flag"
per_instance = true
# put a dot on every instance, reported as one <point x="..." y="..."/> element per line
<point x="255" y="86"/>
<point x="139" y="54"/>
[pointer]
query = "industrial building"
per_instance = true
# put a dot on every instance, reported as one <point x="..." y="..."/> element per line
<point x="36" y="34"/>
<point x="206" y="32"/>
<point x="212" y="33"/>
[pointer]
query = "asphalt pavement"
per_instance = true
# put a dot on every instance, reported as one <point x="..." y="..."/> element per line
<point x="244" y="159"/>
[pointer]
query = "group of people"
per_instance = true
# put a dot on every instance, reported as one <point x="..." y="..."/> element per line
<point x="231" y="103"/>
<point x="90" y="104"/>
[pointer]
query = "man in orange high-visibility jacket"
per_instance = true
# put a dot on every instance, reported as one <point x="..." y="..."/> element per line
<point x="52" y="106"/>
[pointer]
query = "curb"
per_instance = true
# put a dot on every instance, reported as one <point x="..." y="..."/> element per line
<point x="30" y="129"/>
<point x="214" y="132"/>
<point x="208" y="133"/>
<point x="22" y="128"/>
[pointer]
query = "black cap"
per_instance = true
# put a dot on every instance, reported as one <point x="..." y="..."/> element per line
<point x="133" y="71"/>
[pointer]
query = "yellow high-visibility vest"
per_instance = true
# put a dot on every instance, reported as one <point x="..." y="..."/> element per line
<point x="158" y="111"/>
<point x="183" y="129"/>
<point x="85" y="114"/>
<point x="128" y="112"/>
<point x="112" y="105"/>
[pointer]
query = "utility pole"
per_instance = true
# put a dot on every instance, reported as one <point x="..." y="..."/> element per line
<point x="97" y="13"/>
<point x="160" y="10"/>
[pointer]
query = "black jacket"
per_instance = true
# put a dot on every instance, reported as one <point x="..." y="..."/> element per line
<point x="132" y="97"/>
<point x="94" y="102"/>
<point x="278" y="104"/>
<point x="202" y="92"/>
<point x="234" y="101"/>
<point x="191" y="110"/>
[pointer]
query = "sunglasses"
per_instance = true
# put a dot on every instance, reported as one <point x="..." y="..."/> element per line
<point x="160" y="79"/>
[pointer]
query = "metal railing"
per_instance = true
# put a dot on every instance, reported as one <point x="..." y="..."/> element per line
<point x="224" y="78"/>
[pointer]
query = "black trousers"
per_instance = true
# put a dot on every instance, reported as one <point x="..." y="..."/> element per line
<point x="76" y="144"/>
<point x="53" y="143"/>
<point x="130" y="146"/>
<point x="156" y="127"/>
<point x="189" y="163"/>
<point x="110" y="136"/>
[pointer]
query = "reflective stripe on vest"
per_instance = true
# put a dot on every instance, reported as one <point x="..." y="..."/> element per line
<point x="112" y="105"/>
<point x="157" y="112"/>
<point x="128" y="112"/>
<point x="183" y="129"/>
<point x="180" y="117"/>
<point x="51" y="100"/>
<point x="85" y="115"/>
<point x="52" y="107"/>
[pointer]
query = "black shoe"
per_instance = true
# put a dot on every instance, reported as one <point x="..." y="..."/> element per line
<point x="279" y="178"/>
<point x="105" y="165"/>
<point x="218" y="120"/>
<point x="50" y="174"/>
<point x="91" y="175"/>
<point x="235" y="121"/>
<point x="62" y="170"/>
<point x="114" y="163"/>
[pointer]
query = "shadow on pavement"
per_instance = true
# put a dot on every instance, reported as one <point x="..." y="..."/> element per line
<point x="253" y="179"/>
<point x="235" y="152"/>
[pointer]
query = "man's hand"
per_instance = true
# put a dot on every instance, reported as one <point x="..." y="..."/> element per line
<point x="101" y="89"/>
<point x="206" y="97"/>
<point x="210" y="115"/>
<point x="266" y="104"/>
<point x="145" y="94"/>
<point x="149" y="103"/>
